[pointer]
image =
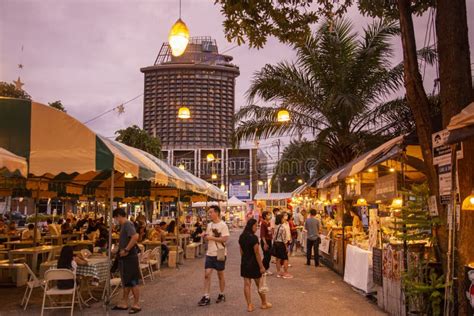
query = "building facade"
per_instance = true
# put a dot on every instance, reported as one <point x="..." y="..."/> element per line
<point x="202" y="81"/>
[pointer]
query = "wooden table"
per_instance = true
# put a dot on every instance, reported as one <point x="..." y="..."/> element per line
<point x="34" y="252"/>
<point x="17" y="244"/>
<point x="151" y="244"/>
<point x="81" y="244"/>
<point x="183" y="240"/>
<point x="59" y="240"/>
<point x="9" y="237"/>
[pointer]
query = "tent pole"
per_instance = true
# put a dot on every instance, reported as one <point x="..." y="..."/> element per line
<point x="109" y="252"/>
<point x="178" y="206"/>
<point x="36" y="199"/>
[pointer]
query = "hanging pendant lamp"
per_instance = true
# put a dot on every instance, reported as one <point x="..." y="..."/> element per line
<point x="178" y="37"/>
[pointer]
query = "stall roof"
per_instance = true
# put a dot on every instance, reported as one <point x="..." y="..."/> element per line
<point x="461" y="126"/>
<point x="382" y="153"/>
<point x="304" y="186"/>
<point x="13" y="163"/>
<point x="272" y="196"/>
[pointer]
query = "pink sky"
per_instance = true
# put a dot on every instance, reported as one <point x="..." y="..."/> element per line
<point x="87" y="53"/>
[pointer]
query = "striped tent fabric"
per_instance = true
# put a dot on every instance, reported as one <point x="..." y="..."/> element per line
<point x="55" y="143"/>
<point x="12" y="163"/>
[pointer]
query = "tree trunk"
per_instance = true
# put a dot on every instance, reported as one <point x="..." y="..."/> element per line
<point x="456" y="93"/>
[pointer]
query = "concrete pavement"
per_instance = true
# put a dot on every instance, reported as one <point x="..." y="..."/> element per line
<point x="313" y="291"/>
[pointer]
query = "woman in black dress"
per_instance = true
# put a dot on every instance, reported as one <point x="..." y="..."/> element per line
<point x="251" y="266"/>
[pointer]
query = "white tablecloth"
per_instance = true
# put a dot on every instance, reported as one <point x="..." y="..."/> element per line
<point x="358" y="269"/>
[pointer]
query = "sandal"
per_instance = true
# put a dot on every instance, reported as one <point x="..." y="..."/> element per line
<point x="119" y="308"/>
<point x="250" y="308"/>
<point x="266" y="306"/>
<point x="134" y="310"/>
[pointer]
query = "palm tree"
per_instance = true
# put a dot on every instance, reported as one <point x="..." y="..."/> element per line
<point x="334" y="91"/>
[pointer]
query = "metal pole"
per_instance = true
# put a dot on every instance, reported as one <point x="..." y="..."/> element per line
<point x="109" y="252"/>
<point x="36" y="199"/>
<point x="178" y="206"/>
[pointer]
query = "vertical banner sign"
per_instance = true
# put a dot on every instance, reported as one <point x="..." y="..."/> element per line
<point x="445" y="183"/>
<point x="441" y="151"/>
<point x="433" y="206"/>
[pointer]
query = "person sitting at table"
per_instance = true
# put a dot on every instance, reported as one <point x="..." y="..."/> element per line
<point x="66" y="228"/>
<point x="171" y="229"/>
<point x="28" y="234"/>
<point x="3" y="227"/>
<point x="12" y="229"/>
<point x="52" y="228"/>
<point x="162" y="237"/>
<point x="183" y="229"/>
<point x="80" y="223"/>
<point x="67" y="260"/>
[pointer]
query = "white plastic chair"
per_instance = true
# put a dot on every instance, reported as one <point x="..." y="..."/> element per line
<point x="143" y="259"/>
<point x="33" y="283"/>
<point x="55" y="275"/>
<point x="155" y="259"/>
<point x="115" y="284"/>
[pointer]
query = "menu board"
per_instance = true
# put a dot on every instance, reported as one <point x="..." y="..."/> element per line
<point x="377" y="266"/>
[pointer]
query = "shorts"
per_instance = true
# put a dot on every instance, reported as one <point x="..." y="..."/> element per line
<point x="213" y="263"/>
<point x="280" y="251"/>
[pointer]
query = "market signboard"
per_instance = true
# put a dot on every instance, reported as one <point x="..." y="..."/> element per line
<point x="386" y="187"/>
<point x="377" y="266"/>
<point x="445" y="183"/>
<point x="441" y="151"/>
<point x="325" y="242"/>
<point x="240" y="191"/>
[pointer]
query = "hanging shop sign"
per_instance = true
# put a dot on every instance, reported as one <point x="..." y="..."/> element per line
<point x="445" y="183"/>
<point x="377" y="266"/>
<point x="240" y="191"/>
<point x="441" y="151"/>
<point x="386" y="187"/>
<point x="325" y="242"/>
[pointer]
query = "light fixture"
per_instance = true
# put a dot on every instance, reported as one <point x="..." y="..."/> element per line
<point x="242" y="183"/>
<point x="214" y="176"/>
<point x="397" y="203"/>
<point x="361" y="202"/>
<point x="352" y="180"/>
<point x="335" y="201"/>
<point x="184" y="113"/>
<point x="248" y="191"/>
<point x="392" y="169"/>
<point x="128" y="175"/>
<point x="210" y="157"/>
<point x="300" y="181"/>
<point x="468" y="202"/>
<point x="181" y="166"/>
<point x="222" y="187"/>
<point x="370" y="170"/>
<point x="283" y="116"/>
<point x="178" y="37"/>
<point x="260" y="182"/>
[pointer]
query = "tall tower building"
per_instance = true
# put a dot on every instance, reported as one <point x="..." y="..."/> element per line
<point x="203" y="81"/>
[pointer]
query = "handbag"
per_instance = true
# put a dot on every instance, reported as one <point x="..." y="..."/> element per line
<point x="273" y="250"/>
<point x="263" y="289"/>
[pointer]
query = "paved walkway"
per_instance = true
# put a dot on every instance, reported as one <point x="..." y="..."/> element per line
<point x="313" y="291"/>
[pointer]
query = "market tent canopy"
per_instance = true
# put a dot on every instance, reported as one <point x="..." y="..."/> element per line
<point x="461" y="126"/>
<point x="272" y="196"/>
<point x="384" y="152"/>
<point x="299" y="190"/>
<point x="234" y="201"/>
<point x="12" y="163"/>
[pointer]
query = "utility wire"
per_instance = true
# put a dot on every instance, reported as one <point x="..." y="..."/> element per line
<point x="108" y="111"/>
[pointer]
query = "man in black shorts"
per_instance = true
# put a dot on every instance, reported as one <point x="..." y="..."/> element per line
<point x="216" y="234"/>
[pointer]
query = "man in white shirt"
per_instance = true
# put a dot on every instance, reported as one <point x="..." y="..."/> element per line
<point x="216" y="234"/>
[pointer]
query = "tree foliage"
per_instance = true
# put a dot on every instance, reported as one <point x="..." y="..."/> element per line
<point x="57" y="105"/>
<point x="334" y="91"/>
<point x="136" y="137"/>
<point x="9" y="90"/>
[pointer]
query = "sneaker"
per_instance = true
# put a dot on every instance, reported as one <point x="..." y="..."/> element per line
<point x="204" y="301"/>
<point x="268" y="272"/>
<point x="220" y="298"/>
<point x="287" y="276"/>
<point x="289" y="265"/>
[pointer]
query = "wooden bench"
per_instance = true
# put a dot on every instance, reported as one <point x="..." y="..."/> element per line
<point x="15" y="273"/>
<point x="192" y="250"/>
<point x="172" y="257"/>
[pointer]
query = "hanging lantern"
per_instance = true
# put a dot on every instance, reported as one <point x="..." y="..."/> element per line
<point x="260" y="182"/>
<point x="300" y="181"/>
<point x="214" y="176"/>
<point x="468" y="203"/>
<point x="178" y="38"/>
<point x="361" y="202"/>
<point x="370" y="170"/>
<point x="392" y="169"/>
<point x="397" y="203"/>
<point x="128" y="175"/>
<point x="210" y="157"/>
<point x="184" y="113"/>
<point x="283" y="116"/>
<point x="181" y="166"/>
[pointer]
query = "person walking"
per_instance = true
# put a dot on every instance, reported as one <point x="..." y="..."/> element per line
<point x="266" y="240"/>
<point x="312" y="226"/>
<point x="293" y="234"/>
<point x="216" y="234"/>
<point x="251" y="266"/>
<point x="280" y="249"/>
<point x="128" y="263"/>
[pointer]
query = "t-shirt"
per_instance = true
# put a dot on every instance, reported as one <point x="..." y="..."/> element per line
<point x="312" y="226"/>
<point x="222" y="230"/>
<point x="126" y="231"/>
<point x="280" y="234"/>
<point x="287" y="230"/>
<point x="265" y="231"/>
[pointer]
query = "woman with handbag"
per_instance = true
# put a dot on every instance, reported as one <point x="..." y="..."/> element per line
<point x="279" y="249"/>
<point x="251" y="266"/>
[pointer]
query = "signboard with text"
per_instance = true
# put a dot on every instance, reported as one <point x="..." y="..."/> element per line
<point x="386" y="187"/>
<point x="442" y="151"/>
<point x="240" y="191"/>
